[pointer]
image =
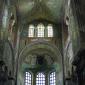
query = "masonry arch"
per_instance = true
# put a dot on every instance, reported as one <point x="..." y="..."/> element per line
<point x="42" y="48"/>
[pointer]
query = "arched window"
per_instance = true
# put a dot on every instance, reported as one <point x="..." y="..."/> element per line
<point x="28" y="78"/>
<point x="40" y="29"/>
<point x="5" y="17"/>
<point x="40" y="79"/>
<point x="52" y="78"/>
<point x="31" y="31"/>
<point x="50" y="30"/>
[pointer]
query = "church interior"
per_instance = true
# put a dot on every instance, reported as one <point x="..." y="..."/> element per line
<point x="42" y="42"/>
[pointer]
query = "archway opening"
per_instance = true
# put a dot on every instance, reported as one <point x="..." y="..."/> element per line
<point x="40" y="58"/>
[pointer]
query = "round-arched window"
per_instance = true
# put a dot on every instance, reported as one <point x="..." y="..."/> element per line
<point x="50" y="30"/>
<point x="40" y="30"/>
<point x="31" y="31"/>
<point x="52" y="78"/>
<point x="28" y="78"/>
<point x="40" y="79"/>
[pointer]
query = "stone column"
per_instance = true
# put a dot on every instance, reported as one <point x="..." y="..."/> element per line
<point x="17" y="55"/>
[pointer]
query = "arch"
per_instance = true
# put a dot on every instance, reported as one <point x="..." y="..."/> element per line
<point x="52" y="49"/>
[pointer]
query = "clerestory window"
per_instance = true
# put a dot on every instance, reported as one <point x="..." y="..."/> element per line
<point x="50" y="30"/>
<point x="31" y="31"/>
<point x="40" y="30"/>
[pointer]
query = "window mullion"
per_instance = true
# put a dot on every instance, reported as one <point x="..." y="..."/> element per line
<point x="36" y="31"/>
<point x="34" y="79"/>
<point x="45" y="32"/>
<point x="46" y="79"/>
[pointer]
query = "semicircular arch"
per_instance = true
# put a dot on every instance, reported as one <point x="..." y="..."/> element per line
<point x="52" y="50"/>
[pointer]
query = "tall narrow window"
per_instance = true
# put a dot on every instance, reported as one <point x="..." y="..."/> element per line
<point x="31" y="31"/>
<point x="50" y="30"/>
<point x="40" y="79"/>
<point x="28" y="78"/>
<point x="52" y="78"/>
<point x="40" y="28"/>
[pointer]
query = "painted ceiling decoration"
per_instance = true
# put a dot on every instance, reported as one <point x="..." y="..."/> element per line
<point x="50" y="53"/>
<point x="32" y="59"/>
<point x="51" y="10"/>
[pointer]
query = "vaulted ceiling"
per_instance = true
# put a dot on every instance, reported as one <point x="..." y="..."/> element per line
<point x="80" y="12"/>
<point x="51" y="10"/>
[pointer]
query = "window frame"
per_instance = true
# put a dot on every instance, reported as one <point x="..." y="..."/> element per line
<point x="51" y="77"/>
<point x="27" y="76"/>
<point x="48" y="33"/>
<point x="40" y="78"/>
<point x="40" y="30"/>
<point x="41" y="33"/>
<point x="32" y="29"/>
